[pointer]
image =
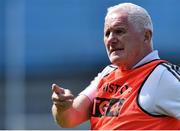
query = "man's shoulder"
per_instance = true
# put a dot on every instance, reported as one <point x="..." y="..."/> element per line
<point x="172" y="71"/>
<point x="108" y="69"/>
<point x="165" y="73"/>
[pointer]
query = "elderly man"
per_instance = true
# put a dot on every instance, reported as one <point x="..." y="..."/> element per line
<point x="138" y="91"/>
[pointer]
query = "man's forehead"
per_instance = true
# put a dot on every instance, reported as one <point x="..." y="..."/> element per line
<point x="116" y="18"/>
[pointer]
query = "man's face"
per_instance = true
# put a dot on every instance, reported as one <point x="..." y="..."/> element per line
<point x="124" y="44"/>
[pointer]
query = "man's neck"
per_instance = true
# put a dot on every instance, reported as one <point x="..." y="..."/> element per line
<point x="147" y="58"/>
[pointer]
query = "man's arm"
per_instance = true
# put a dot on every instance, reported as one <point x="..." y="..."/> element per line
<point x="167" y="100"/>
<point x="67" y="111"/>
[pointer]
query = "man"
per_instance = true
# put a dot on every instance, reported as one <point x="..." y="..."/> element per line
<point x="138" y="91"/>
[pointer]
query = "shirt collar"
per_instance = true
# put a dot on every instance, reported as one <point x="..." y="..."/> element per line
<point x="151" y="56"/>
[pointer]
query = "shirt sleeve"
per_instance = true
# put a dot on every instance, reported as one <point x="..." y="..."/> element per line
<point x="167" y="100"/>
<point x="90" y="90"/>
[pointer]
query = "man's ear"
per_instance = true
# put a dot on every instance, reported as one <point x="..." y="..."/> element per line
<point x="147" y="36"/>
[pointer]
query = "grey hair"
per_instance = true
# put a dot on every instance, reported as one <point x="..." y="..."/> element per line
<point x="136" y="14"/>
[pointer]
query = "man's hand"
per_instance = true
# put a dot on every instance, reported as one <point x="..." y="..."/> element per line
<point x="68" y="111"/>
<point x="62" y="98"/>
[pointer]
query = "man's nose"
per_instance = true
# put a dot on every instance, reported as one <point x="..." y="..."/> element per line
<point x="112" y="38"/>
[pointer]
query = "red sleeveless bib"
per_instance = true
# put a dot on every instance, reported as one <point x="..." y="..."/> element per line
<point x="115" y="106"/>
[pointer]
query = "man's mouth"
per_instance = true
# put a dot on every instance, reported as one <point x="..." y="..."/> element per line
<point x="115" y="49"/>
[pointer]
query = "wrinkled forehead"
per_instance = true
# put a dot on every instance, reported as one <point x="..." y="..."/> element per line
<point x="115" y="19"/>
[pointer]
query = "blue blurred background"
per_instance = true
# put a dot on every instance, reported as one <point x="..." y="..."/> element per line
<point x="61" y="41"/>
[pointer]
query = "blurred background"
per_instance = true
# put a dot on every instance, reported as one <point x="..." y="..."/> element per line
<point x="61" y="41"/>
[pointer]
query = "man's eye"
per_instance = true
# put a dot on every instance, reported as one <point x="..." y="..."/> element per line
<point x="107" y="33"/>
<point x="118" y="31"/>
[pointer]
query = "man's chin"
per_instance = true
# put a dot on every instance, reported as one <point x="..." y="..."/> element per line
<point x="116" y="60"/>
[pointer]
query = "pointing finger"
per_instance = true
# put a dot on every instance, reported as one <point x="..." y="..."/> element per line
<point x="57" y="89"/>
